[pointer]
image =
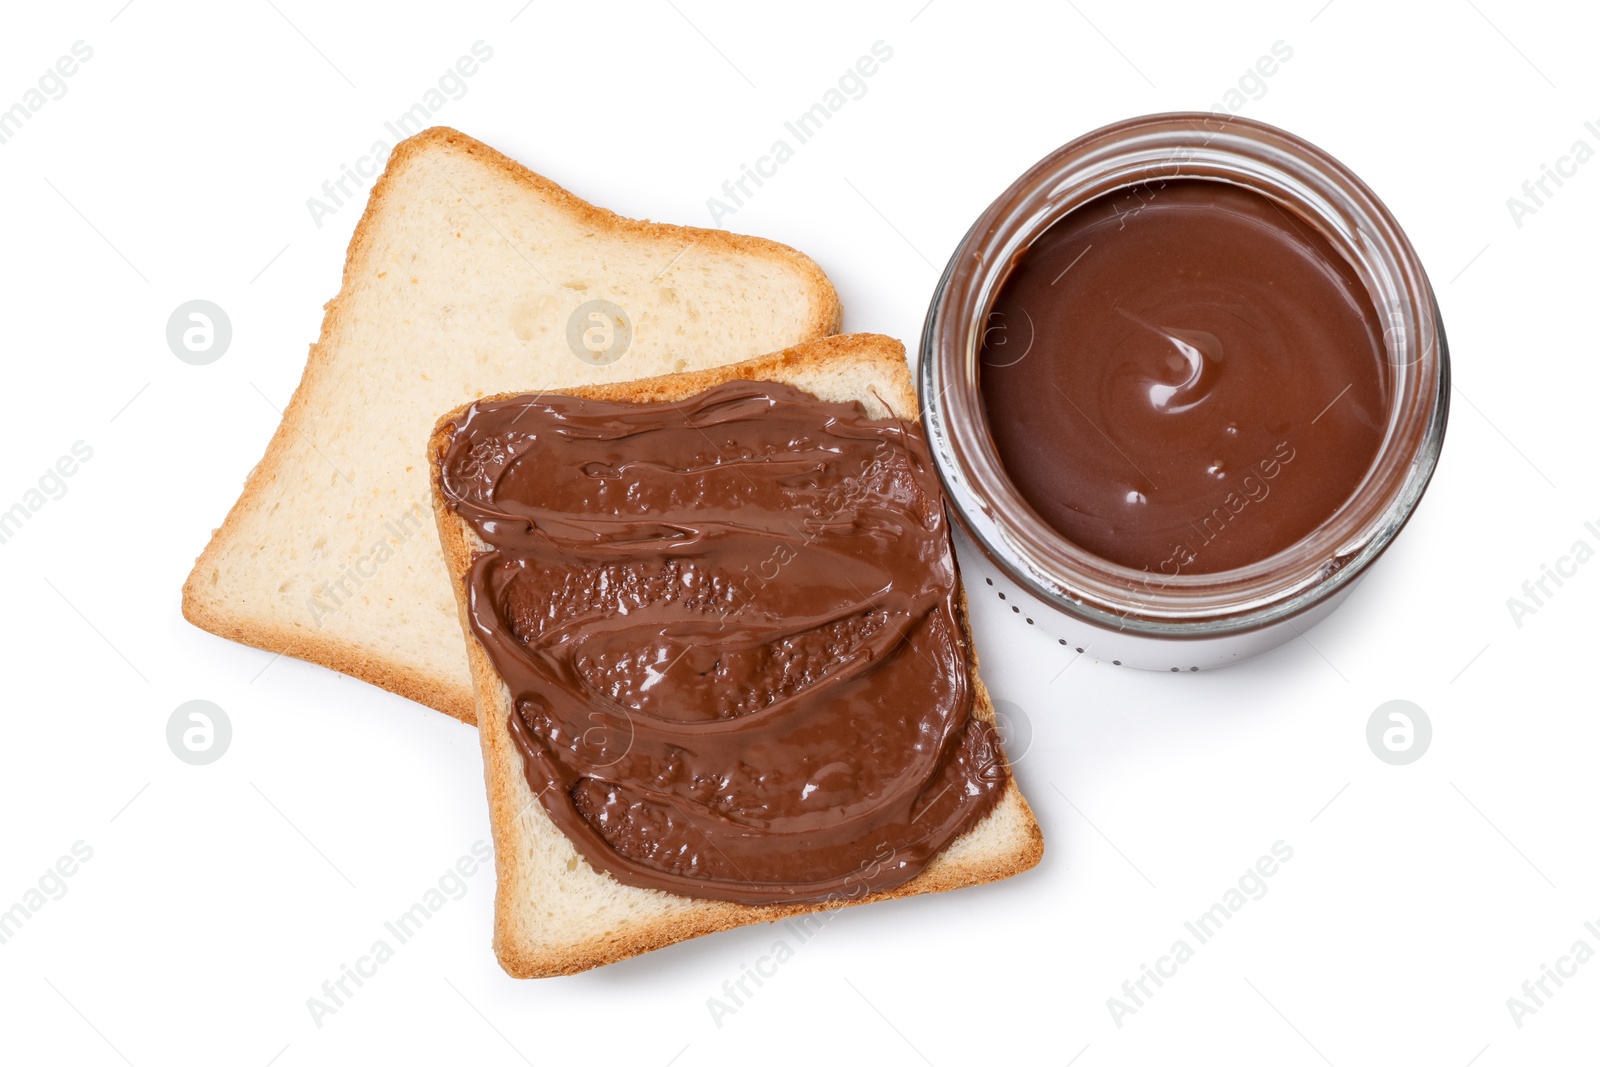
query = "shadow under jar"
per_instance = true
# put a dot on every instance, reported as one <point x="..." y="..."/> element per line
<point x="1184" y="382"/>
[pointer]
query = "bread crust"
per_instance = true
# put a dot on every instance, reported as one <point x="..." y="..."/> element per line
<point x="449" y="695"/>
<point x="804" y="366"/>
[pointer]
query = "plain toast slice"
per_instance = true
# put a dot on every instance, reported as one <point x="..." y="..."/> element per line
<point x="554" y="913"/>
<point x="467" y="275"/>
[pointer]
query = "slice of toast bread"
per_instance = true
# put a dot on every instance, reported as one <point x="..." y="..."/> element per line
<point x="467" y="275"/>
<point x="554" y="913"/>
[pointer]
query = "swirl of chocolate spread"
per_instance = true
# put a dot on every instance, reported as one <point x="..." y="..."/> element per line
<point x="731" y="632"/>
<point x="1164" y="359"/>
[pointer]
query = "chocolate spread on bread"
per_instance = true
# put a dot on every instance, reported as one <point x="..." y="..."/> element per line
<point x="731" y="633"/>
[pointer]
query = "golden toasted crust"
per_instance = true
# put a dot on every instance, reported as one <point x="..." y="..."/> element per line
<point x="802" y="365"/>
<point x="823" y="356"/>
<point x="447" y="694"/>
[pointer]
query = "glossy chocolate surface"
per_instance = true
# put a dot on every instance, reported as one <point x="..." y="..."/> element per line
<point x="1184" y="377"/>
<point x="730" y="628"/>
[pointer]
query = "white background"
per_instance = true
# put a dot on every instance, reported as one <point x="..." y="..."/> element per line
<point x="219" y="898"/>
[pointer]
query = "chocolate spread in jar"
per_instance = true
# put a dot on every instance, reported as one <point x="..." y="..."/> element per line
<point x="1184" y="377"/>
<point x="730" y="630"/>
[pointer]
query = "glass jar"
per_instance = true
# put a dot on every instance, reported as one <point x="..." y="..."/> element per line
<point x="1184" y="622"/>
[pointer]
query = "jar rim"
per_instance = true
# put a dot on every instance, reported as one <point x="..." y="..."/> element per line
<point x="1138" y="152"/>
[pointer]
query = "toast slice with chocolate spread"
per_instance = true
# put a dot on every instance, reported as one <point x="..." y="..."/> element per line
<point x="566" y="901"/>
<point x="467" y="275"/>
